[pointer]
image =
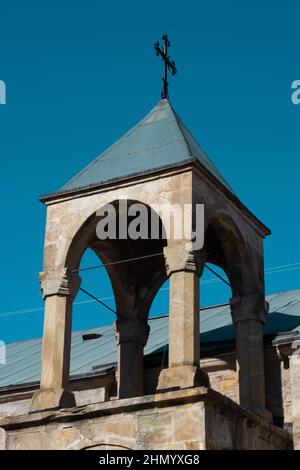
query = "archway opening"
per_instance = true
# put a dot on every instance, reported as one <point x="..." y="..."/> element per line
<point x="120" y="277"/>
<point x="87" y="312"/>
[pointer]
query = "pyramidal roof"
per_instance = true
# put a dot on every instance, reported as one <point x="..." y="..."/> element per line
<point x="158" y="141"/>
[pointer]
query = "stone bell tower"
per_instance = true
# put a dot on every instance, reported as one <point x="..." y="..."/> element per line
<point x="156" y="162"/>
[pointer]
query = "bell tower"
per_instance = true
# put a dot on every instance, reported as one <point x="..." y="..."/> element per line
<point x="157" y="162"/>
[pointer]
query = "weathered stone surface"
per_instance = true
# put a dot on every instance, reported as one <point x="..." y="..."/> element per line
<point x="179" y="377"/>
<point x="233" y="238"/>
<point x="250" y="359"/>
<point x="11" y="408"/>
<point x="85" y="397"/>
<point x="195" y="418"/>
<point x="2" y="439"/>
<point x="184" y="347"/>
<point x="47" y="398"/>
<point x="59" y="282"/>
<point x="222" y="378"/>
<point x="155" y="429"/>
<point x="290" y="356"/>
<point x="189" y="423"/>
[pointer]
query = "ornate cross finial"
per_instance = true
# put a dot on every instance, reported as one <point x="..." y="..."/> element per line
<point x="168" y="65"/>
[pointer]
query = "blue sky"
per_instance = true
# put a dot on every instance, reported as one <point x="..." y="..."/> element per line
<point x="80" y="74"/>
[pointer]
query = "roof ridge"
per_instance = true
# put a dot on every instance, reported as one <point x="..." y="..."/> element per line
<point x="117" y="142"/>
<point x="212" y="168"/>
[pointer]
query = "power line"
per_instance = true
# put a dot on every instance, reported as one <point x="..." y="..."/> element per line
<point x="12" y="313"/>
<point x="98" y="300"/>
<point x="290" y="266"/>
<point x="218" y="275"/>
<point x="202" y="320"/>
<point x="283" y="266"/>
<point x="214" y="306"/>
<point x="128" y="260"/>
<point x="275" y="271"/>
<point x="272" y="270"/>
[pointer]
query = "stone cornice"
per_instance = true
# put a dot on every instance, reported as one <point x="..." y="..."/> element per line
<point x="192" y="165"/>
<point x="209" y="397"/>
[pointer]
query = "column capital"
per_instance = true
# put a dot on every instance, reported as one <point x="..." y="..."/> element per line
<point x="178" y="258"/>
<point x="131" y="329"/>
<point x="59" y="281"/>
<point x="249" y="307"/>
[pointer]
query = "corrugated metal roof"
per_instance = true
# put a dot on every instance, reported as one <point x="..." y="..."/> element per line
<point x="24" y="358"/>
<point x="159" y="141"/>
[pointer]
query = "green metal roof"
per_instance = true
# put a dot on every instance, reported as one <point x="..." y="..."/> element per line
<point x="95" y="356"/>
<point x="158" y="141"/>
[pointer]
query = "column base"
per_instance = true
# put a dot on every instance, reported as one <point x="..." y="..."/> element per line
<point x="181" y="377"/>
<point x="50" y="398"/>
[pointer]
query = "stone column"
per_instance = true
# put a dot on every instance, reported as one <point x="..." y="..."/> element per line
<point x="184" y="344"/>
<point x="2" y="439"/>
<point x="295" y="392"/>
<point x="59" y="288"/>
<point x="131" y="336"/>
<point x="249" y="315"/>
<point x="292" y="353"/>
<point x="184" y="318"/>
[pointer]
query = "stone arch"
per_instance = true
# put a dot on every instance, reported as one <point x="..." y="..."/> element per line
<point x="105" y="446"/>
<point x="134" y="282"/>
<point x="139" y="279"/>
<point x="234" y="249"/>
<point x="226" y="247"/>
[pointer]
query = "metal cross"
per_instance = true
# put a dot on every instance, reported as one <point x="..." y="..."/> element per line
<point x="168" y="65"/>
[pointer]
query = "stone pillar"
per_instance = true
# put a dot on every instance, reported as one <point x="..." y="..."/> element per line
<point x="2" y="439"/>
<point x="295" y="392"/>
<point x="59" y="288"/>
<point x="292" y="353"/>
<point x="131" y="336"/>
<point x="184" y="318"/>
<point x="249" y="315"/>
<point x="184" y="343"/>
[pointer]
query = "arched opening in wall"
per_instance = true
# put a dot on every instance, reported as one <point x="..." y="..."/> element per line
<point x="222" y="278"/>
<point x="216" y="329"/>
<point x="217" y="332"/>
<point x="227" y="274"/>
<point x="87" y="312"/>
<point x="160" y="304"/>
<point x="156" y="350"/>
<point x="93" y="346"/>
<point x="214" y="286"/>
<point x="120" y="277"/>
<point x="225" y="247"/>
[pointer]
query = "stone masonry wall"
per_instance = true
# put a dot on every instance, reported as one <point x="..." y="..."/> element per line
<point x="196" y="418"/>
<point x="222" y="377"/>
